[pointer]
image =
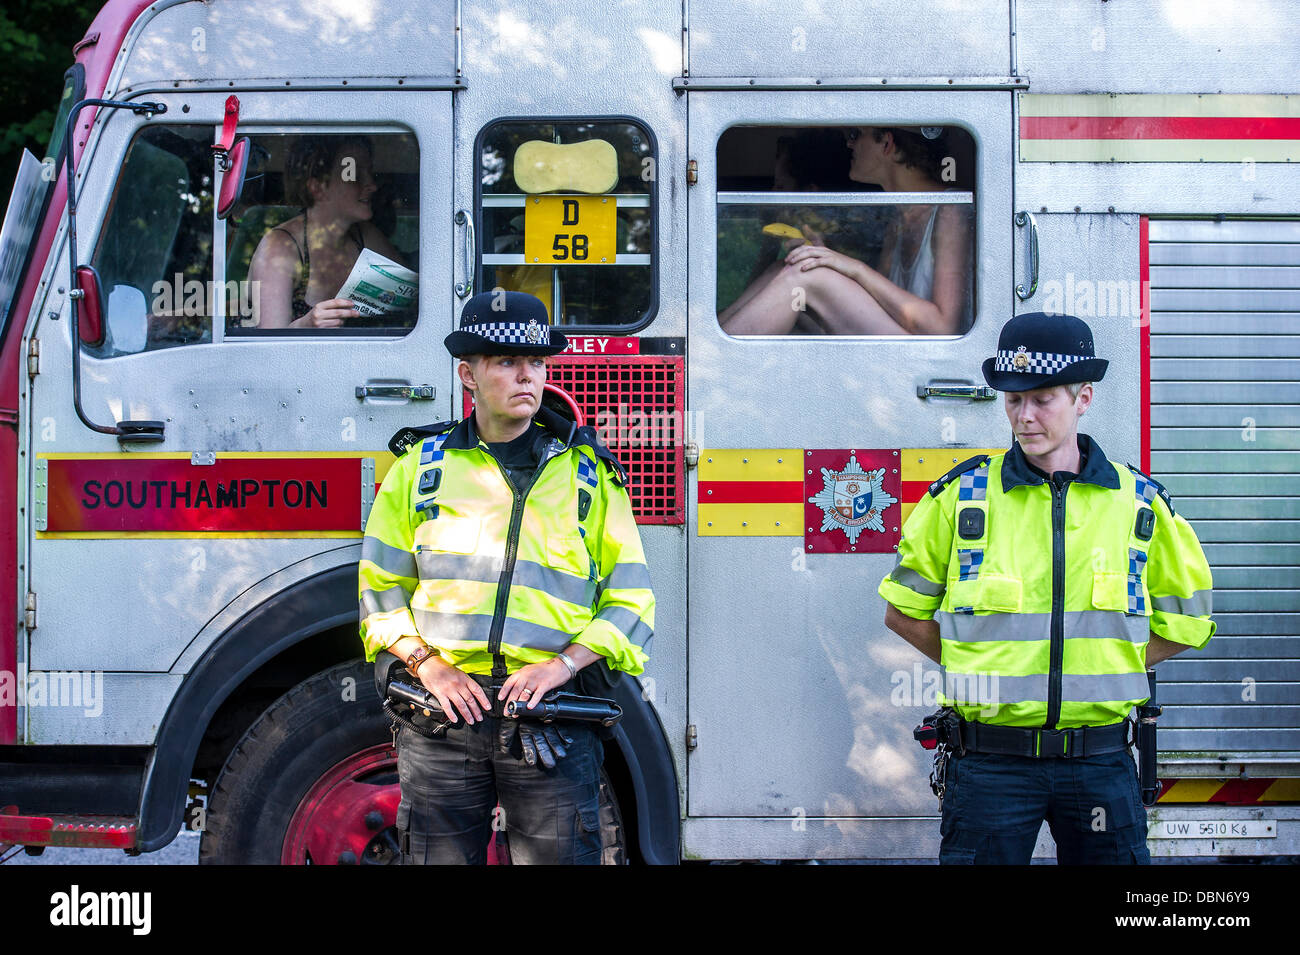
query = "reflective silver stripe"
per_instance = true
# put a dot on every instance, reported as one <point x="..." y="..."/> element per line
<point x="392" y="559"/>
<point x="1198" y="604"/>
<point x="628" y="577"/>
<point x="382" y="601"/>
<point x="454" y="630"/>
<point x="627" y="623"/>
<point x="556" y="583"/>
<point x="1077" y="688"/>
<point x="487" y="570"/>
<point x="435" y="565"/>
<point x="1079" y="625"/>
<point x="1107" y="625"/>
<point x="906" y="577"/>
<point x="991" y="688"/>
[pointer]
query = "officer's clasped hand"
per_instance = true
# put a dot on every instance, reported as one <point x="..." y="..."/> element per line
<point x="457" y="693"/>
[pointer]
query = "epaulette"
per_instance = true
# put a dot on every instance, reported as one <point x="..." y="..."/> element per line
<point x="970" y="464"/>
<point x="587" y="435"/>
<point x="1159" y="488"/>
<point x="407" y="438"/>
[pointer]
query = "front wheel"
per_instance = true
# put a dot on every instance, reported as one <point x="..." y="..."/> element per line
<point x="314" y="782"/>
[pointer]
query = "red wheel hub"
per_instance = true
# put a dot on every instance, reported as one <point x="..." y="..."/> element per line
<point x="349" y="816"/>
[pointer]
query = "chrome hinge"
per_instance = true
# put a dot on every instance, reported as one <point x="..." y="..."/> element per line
<point x="33" y="357"/>
<point x="692" y="738"/>
<point x="29" y="611"/>
<point x="692" y="172"/>
<point x="692" y="454"/>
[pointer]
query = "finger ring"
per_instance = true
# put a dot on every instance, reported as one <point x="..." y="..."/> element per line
<point x="526" y="691"/>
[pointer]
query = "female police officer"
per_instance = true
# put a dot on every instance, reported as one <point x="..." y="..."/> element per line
<point x="502" y="551"/>
<point x="1045" y="580"/>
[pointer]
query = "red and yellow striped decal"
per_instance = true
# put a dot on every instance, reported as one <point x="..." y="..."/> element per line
<point x="1231" y="791"/>
<point x="751" y="493"/>
<point x="1159" y="127"/>
<point x="921" y="467"/>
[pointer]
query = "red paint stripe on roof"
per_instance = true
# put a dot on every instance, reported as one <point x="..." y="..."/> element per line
<point x="1159" y="127"/>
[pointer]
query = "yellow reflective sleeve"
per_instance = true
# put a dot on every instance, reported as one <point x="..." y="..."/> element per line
<point x="387" y="574"/>
<point x="919" y="579"/>
<point x="625" y="603"/>
<point x="1178" y="581"/>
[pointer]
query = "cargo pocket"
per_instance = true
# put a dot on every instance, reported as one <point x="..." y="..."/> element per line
<point x="448" y="535"/>
<point x="1111" y="591"/>
<point x="586" y="837"/>
<point x="989" y="593"/>
<point x="956" y="857"/>
<point x="568" y="553"/>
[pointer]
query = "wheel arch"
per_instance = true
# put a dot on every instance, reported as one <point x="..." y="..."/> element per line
<point x="647" y="783"/>
<point x="308" y="608"/>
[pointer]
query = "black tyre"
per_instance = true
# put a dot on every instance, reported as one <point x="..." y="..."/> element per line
<point x="314" y="781"/>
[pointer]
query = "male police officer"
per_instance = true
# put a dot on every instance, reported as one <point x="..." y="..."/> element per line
<point x="1058" y="577"/>
<point x="502" y="551"/>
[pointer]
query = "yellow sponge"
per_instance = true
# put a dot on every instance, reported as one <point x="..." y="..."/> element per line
<point x="590" y="166"/>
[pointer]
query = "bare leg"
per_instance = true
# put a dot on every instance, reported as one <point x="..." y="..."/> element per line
<point x="846" y="307"/>
<point x="751" y="290"/>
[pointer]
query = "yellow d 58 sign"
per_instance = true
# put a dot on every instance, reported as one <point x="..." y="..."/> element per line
<point x="569" y="230"/>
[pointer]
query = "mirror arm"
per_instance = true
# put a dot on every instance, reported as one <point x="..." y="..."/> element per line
<point x="126" y="431"/>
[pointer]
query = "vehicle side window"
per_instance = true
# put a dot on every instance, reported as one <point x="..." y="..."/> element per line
<point x="323" y="218"/>
<point x="155" y="251"/>
<point x="856" y="230"/>
<point x="566" y="213"/>
<point x="327" y="226"/>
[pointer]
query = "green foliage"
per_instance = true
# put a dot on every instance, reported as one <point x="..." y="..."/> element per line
<point x="36" y="43"/>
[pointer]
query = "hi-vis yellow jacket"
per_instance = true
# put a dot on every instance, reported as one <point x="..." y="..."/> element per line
<point x="454" y="555"/>
<point x="1046" y="594"/>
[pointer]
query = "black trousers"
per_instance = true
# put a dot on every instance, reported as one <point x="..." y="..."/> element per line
<point x="451" y="788"/>
<point x="995" y="805"/>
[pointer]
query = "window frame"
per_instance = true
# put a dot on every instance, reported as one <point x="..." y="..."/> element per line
<point x="652" y="311"/>
<point x="219" y="333"/>
<point x="843" y="198"/>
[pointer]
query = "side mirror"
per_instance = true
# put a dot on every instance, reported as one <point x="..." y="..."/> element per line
<point x="90" y="317"/>
<point x="234" y="167"/>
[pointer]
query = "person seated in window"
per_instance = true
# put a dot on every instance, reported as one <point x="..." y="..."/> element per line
<point x="921" y="283"/>
<point x="300" y="265"/>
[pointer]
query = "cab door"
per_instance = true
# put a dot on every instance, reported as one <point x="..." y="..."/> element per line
<point x="815" y="440"/>
<point x="274" y="438"/>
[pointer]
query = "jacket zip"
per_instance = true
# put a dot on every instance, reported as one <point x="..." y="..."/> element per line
<point x="512" y="550"/>
<point x="1057" y="651"/>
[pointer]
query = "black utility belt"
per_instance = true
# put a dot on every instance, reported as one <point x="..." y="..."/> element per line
<point x="1044" y="743"/>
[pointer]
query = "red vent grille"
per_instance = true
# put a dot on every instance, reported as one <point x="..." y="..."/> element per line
<point x="636" y="404"/>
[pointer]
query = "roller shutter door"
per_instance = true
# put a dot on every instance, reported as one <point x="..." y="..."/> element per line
<point x="1225" y="440"/>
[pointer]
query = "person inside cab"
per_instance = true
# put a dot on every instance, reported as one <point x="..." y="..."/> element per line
<point x="301" y="264"/>
<point x="919" y="285"/>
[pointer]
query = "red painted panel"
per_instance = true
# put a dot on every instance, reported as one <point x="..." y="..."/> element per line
<point x="142" y="495"/>
<point x="851" y="501"/>
<point x="1159" y="127"/>
<point x="750" y="492"/>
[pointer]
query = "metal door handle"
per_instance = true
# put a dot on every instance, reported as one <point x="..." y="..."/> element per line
<point x="1021" y="219"/>
<point x="413" y="392"/>
<point x="465" y="288"/>
<point x="974" y="392"/>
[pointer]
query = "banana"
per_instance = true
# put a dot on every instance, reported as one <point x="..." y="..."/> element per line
<point x="783" y="231"/>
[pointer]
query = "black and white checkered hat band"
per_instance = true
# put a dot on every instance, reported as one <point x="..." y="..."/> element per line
<point x="512" y="333"/>
<point x="1034" y="362"/>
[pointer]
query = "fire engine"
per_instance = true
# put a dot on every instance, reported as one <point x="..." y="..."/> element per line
<point x="186" y="478"/>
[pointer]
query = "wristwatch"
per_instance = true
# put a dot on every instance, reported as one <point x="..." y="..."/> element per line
<point x="418" y="656"/>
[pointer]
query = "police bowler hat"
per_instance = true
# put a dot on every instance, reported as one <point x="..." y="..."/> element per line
<point x="504" y="323"/>
<point x="1037" y="350"/>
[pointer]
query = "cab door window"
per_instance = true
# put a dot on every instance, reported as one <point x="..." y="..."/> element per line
<point x="322" y="218"/>
<point x="856" y="230"/>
